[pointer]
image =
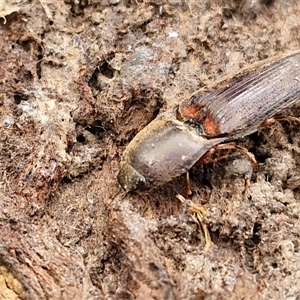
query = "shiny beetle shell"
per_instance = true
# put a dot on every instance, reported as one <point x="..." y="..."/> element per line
<point x="163" y="150"/>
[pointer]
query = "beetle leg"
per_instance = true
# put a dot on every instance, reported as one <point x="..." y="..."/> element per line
<point x="289" y="119"/>
<point x="271" y="121"/>
<point x="243" y="150"/>
<point x="206" y="159"/>
<point x="188" y="183"/>
<point x="197" y="213"/>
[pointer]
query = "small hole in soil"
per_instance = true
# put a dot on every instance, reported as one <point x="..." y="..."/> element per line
<point x="106" y="70"/>
<point x="96" y="129"/>
<point x="220" y="72"/>
<point x="155" y="113"/>
<point x="18" y="99"/>
<point x="51" y="22"/>
<point x="80" y="138"/>
<point x="25" y="45"/>
<point x="143" y="27"/>
<point x="93" y="82"/>
<point x="228" y="13"/>
<point x="38" y="65"/>
<point x="153" y="267"/>
<point x="67" y="180"/>
<point x="128" y="3"/>
<point x="268" y="2"/>
<point x="13" y="222"/>
<point x="256" y="229"/>
<point x="83" y="4"/>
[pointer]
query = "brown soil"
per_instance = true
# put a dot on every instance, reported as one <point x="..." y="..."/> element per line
<point x="78" y="80"/>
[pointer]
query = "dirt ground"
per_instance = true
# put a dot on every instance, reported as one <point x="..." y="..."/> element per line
<point x="78" y="80"/>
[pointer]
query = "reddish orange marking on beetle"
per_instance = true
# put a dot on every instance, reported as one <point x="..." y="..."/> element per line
<point x="190" y="111"/>
<point x="210" y="127"/>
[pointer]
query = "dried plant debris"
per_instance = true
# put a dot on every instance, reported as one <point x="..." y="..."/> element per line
<point x="10" y="287"/>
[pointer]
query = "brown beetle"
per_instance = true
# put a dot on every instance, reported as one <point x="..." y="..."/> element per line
<point x="236" y="106"/>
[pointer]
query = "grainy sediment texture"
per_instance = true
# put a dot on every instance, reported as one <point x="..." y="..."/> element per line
<point x="78" y="79"/>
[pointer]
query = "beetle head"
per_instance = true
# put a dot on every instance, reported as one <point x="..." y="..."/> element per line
<point x="130" y="179"/>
